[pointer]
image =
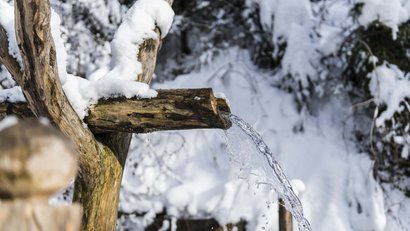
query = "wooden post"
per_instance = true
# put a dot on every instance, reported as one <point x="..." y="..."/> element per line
<point x="285" y="218"/>
<point x="36" y="161"/>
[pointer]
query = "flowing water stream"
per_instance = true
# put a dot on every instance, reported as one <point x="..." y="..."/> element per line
<point x="274" y="175"/>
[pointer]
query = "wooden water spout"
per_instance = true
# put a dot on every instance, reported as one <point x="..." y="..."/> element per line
<point x="172" y="109"/>
<point x="36" y="161"/>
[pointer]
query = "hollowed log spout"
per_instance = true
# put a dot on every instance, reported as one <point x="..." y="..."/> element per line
<point x="176" y="109"/>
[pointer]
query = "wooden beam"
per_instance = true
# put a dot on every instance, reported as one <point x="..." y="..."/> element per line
<point x="171" y="110"/>
<point x="285" y="218"/>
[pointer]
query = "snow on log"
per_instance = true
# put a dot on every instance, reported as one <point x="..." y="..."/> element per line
<point x="174" y="109"/>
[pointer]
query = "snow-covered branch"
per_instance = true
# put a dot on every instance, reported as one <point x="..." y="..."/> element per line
<point x="136" y="42"/>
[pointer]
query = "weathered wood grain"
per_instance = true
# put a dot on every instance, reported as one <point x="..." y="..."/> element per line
<point x="170" y="110"/>
<point x="147" y="55"/>
<point x="175" y="109"/>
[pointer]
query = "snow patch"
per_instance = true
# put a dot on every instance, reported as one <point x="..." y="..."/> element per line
<point x="291" y="22"/>
<point x="12" y="95"/>
<point x="195" y="164"/>
<point x="61" y="52"/>
<point x="7" y="22"/>
<point x="391" y="13"/>
<point x="83" y="93"/>
<point x="137" y="26"/>
<point x="8" y="121"/>
<point x="390" y="87"/>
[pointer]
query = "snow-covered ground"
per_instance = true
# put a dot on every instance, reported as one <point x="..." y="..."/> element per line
<point x="190" y="174"/>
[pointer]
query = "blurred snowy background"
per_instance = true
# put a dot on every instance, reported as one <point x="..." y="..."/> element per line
<point x="324" y="81"/>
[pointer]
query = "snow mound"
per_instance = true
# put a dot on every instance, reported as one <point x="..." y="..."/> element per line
<point x="137" y="26"/>
<point x="390" y="87"/>
<point x="7" y="22"/>
<point x="391" y="13"/>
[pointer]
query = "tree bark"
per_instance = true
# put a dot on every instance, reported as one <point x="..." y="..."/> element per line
<point x="21" y="110"/>
<point x="147" y="55"/>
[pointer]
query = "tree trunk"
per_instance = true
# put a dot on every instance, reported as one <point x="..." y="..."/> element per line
<point x="99" y="178"/>
<point x="97" y="190"/>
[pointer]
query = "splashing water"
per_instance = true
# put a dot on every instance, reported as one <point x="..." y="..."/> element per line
<point x="274" y="175"/>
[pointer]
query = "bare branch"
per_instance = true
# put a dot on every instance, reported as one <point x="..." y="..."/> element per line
<point x="147" y="55"/>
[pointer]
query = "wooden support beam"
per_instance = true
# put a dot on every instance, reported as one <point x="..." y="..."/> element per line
<point x="171" y="110"/>
<point x="285" y="218"/>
